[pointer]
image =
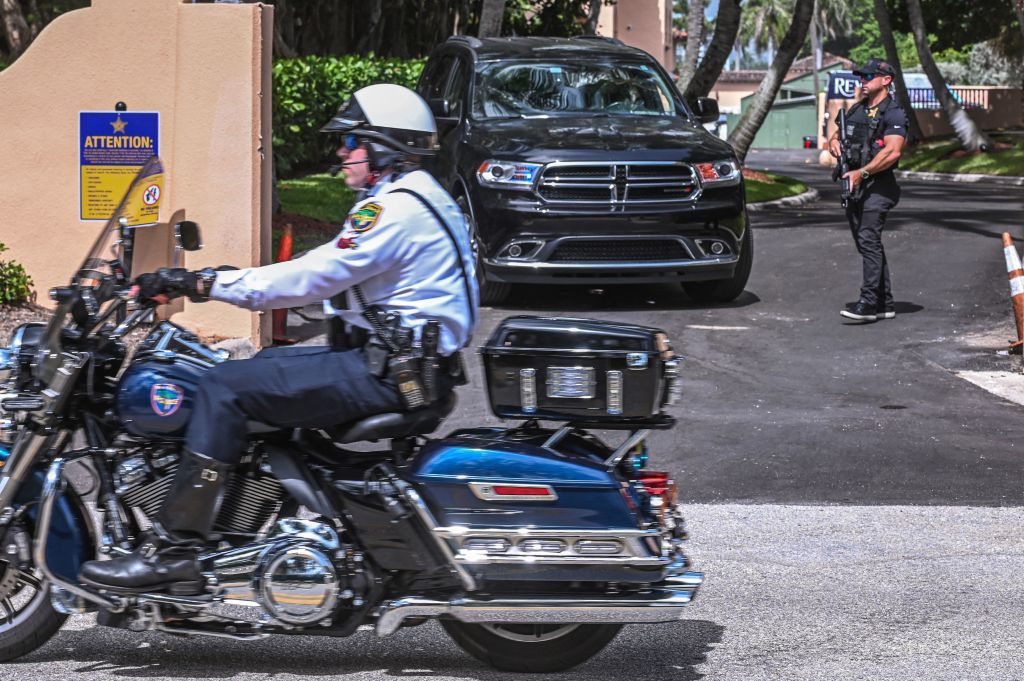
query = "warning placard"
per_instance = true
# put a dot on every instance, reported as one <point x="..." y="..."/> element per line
<point x="113" y="146"/>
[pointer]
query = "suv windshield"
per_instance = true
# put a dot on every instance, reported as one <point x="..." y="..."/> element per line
<point x="513" y="89"/>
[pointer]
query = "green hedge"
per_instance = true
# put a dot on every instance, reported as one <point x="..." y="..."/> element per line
<point x="15" y="284"/>
<point x="308" y="92"/>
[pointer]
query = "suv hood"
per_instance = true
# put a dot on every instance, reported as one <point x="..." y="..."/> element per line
<point x="580" y="136"/>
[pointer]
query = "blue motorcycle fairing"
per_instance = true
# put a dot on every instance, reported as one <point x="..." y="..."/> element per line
<point x="71" y="541"/>
<point x="590" y="496"/>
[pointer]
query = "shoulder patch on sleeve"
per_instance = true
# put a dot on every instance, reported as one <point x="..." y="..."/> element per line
<point x="366" y="216"/>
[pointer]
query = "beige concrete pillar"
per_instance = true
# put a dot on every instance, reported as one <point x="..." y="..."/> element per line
<point x="205" y="68"/>
<point x="646" y="24"/>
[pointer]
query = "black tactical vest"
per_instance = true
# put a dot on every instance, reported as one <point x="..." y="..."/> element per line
<point x="864" y="131"/>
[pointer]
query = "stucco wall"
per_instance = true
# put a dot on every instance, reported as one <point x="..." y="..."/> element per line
<point x="646" y="24"/>
<point x="1003" y="111"/>
<point x="205" y="69"/>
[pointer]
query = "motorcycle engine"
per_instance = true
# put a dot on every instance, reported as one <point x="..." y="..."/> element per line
<point x="143" y="478"/>
<point x="293" y="576"/>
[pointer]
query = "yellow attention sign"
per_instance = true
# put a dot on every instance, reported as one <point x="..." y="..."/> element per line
<point x="113" y="146"/>
<point x="142" y="207"/>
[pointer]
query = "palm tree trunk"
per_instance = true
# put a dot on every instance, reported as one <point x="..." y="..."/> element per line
<point x="727" y="25"/>
<point x="491" y="14"/>
<point x="815" y="54"/>
<point x="892" y="55"/>
<point x="1018" y="7"/>
<point x="750" y="122"/>
<point x="694" y="37"/>
<point x="13" y="21"/>
<point x="971" y="136"/>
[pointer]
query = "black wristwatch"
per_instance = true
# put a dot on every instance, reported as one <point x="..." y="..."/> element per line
<point x="204" y="282"/>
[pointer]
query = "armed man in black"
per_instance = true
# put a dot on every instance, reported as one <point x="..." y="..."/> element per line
<point x="876" y="129"/>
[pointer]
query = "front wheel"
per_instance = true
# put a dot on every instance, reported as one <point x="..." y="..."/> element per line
<point x="27" y="619"/>
<point x="726" y="290"/>
<point x="535" y="648"/>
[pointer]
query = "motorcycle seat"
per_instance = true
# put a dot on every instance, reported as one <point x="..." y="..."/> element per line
<point x="394" y="425"/>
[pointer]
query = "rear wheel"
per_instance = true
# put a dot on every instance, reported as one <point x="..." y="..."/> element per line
<point x="491" y="292"/>
<point x="726" y="290"/>
<point x="536" y="648"/>
<point x="27" y="619"/>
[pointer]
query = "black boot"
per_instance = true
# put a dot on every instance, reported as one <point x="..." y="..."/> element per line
<point x="167" y="559"/>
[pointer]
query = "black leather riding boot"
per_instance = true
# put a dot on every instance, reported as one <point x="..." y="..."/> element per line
<point x="167" y="559"/>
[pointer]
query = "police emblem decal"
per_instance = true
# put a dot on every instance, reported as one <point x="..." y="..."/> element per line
<point x="347" y="242"/>
<point x="366" y="216"/>
<point x="165" y="398"/>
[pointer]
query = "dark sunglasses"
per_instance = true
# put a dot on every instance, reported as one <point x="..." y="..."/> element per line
<point x="865" y="77"/>
<point x="351" y="142"/>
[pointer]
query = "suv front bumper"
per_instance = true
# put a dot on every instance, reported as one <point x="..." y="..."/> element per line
<point x="546" y="265"/>
<point x="531" y="242"/>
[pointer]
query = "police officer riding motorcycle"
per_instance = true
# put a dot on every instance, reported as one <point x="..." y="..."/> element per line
<point x="228" y="501"/>
<point x="407" y="305"/>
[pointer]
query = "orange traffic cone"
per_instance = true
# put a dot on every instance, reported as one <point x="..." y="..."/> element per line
<point x="1016" y="276"/>
<point x="280" y="317"/>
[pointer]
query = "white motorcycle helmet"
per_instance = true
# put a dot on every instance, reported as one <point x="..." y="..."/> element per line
<point x="395" y="121"/>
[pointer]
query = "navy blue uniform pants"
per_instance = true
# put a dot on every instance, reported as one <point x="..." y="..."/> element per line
<point x="297" y="387"/>
<point x="867" y="220"/>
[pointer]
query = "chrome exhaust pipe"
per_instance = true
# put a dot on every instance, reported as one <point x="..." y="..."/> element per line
<point x="661" y="604"/>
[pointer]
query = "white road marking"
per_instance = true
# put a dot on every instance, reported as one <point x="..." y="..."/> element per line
<point x="710" y="327"/>
<point x="1006" y="384"/>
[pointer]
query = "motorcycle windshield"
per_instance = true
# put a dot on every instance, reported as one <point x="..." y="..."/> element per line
<point x="106" y="271"/>
<point x="139" y="207"/>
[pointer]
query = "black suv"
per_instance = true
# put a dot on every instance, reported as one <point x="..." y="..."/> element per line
<point x="577" y="162"/>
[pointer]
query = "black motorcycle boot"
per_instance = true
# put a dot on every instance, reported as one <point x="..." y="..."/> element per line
<point x="167" y="559"/>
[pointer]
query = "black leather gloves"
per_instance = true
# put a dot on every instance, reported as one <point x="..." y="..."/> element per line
<point x="176" y="282"/>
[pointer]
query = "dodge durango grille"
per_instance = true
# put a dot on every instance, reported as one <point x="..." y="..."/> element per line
<point x="619" y="250"/>
<point x="617" y="186"/>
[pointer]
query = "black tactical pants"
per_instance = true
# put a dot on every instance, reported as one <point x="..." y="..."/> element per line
<point x="867" y="219"/>
<point x="298" y="387"/>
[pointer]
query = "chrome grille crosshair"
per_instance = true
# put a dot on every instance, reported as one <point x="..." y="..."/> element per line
<point x="618" y="186"/>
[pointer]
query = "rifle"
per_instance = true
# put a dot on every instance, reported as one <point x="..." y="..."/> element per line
<point x="843" y="166"/>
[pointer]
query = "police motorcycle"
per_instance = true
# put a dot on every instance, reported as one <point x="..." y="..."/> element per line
<point x="531" y="545"/>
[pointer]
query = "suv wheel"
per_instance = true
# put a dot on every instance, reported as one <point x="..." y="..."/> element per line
<point x="726" y="290"/>
<point x="491" y="292"/>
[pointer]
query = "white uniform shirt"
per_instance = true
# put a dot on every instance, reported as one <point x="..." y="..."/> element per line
<point x="392" y="246"/>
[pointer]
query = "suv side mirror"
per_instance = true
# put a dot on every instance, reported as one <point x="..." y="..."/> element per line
<point x="186" y="233"/>
<point x="707" y="109"/>
<point x="442" y="110"/>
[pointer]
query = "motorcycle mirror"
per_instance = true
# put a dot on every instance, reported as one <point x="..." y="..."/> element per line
<point x="186" y="234"/>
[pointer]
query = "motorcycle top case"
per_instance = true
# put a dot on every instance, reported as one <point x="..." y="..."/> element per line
<point x="581" y="370"/>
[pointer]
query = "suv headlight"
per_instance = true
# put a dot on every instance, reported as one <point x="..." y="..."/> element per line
<point x="508" y="174"/>
<point x="718" y="173"/>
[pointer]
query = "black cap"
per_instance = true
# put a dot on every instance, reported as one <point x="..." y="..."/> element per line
<point x="878" y="67"/>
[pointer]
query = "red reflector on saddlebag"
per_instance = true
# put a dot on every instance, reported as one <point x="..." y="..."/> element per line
<point x="497" y="491"/>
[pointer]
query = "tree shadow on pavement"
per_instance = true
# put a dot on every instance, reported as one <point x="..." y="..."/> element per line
<point x="607" y="298"/>
<point x="668" y="650"/>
